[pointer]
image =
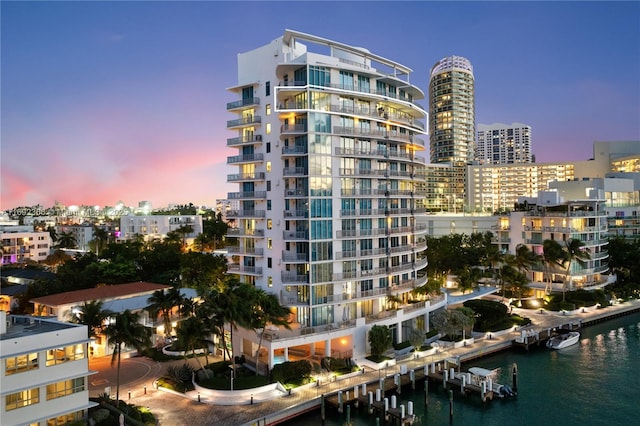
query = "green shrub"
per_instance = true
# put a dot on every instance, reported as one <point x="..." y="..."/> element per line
<point x="401" y="345"/>
<point x="291" y="371"/>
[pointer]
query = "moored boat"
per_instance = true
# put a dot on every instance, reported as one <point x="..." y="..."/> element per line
<point x="563" y="340"/>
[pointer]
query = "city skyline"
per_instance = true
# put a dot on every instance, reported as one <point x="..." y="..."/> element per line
<point x="126" y="101"/>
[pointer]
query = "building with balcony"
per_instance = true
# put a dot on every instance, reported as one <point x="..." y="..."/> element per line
<point x="156" y="227"/>
<point x="549" y="217"/>
<point x="503" y="144"/>
<point x="115" y="298"/>
<point x="45" y="371"/>
<point x="21" y="243"/>
<point x="329" y="139"/>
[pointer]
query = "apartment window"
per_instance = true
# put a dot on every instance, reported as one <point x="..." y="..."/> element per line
<point x="268" y="147"/>
<point x="20" y="363"/>
<point x="268" y="166"/>
<point x="268" y="109"/>
<point x="268" y="185"/>
<point x="267" y="88"/>
<point x="270" y="281"/>
<point x="22" y="399"/>
<point x="268" y="204"/>
<point x="68" y="353"/>
<point x="64" y="388"/>
<point x="269" y="262"/>
<point x="269" y="243"/>
<point x="269" y="223"/>
<point x="268" y="128"/>
<point x="65" y="419"/>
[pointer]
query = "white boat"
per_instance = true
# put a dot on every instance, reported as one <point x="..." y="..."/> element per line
<point x="563" y="340"/>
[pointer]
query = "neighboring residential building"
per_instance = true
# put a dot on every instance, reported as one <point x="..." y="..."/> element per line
<point x="548" y="217"/>
<point x="441" y="224"/>
<point x="497" y="187"/>
<point x="621" y="192"/>
<point x="503" y="143"/>
<point x="452" y="130"/>
<point x="156" y="227"/>
<point x="82" y="234"/>
<point x="441" y="184"/>
<point x="328" y="147"/>
<point x="115" y="298"/>
<point x="45" y="371"/>
<point x="22" y="243"/>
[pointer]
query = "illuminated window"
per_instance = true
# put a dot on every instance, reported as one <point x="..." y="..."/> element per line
<point x="268" y="129"/>
<point x="269" y="243"/>
<point x="268" y="109"/>
<point x="22" y="399"/>
<point x="66" y="354"/>
<point x="269" y="223"/>
<point x="21" y="363"/>
<point x="64" y="388"/>
<point x="270" y="281"/>
<point x="268" y="166"/>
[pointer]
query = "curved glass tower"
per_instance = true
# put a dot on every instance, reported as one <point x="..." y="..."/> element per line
<point x="452" y="111"/>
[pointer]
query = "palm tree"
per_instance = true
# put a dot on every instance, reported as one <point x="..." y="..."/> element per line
<point x="66" y="240"/>
<point x="126" y="331"/>
<point x="552" y="256"/>
<point x="468" y="278"/>
<point x="573" y="252"/>
<point x="100" y="237"/>
<point x="193" y="334"/>
<point x="492" y="258"/>
<point x="266" y="309"/>
<point x="93" y="316"/>
<point x="524" y="258"/>
<point x="161" y="302"/>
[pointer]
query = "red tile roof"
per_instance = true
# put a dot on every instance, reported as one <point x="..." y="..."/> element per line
<point x="100" y="293"/>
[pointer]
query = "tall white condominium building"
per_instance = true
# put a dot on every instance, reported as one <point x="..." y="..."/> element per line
<point x="328" y="146"/>
<point x="452" y="131"/>
<point x="503" y="144"/>
<point x="44" y="370"/>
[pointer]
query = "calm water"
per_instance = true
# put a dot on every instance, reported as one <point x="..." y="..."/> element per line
<point x="596" y="382"/>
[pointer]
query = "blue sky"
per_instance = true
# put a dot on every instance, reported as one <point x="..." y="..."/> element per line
<point x="108" y="101"/>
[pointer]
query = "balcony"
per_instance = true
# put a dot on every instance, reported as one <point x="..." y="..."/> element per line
<point x="246" y="158"/>
<point x="243" y="103"/>
<point x="301" y="214"/>
<point x="292" y="277"/>
<point x="246" y="177"/>
<point x="244" y="122"/>
<point x="294" y="171"/>
<point x="235" y="268"/>
<point x="244" y="140"/>
<point x="293" y="129"/>
<point x="249" y="251"/>
<point x="246" y="213"/>
<point x="241" y="232"/>
<point x="293" y="192"/>
<point x="294" y="150"/>
<point x="293" y="257"/>
<point x="295" y="235"/>
<point x="247" y="195"/>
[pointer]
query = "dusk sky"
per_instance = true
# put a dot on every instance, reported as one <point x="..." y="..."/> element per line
<point x="109" y="101"/>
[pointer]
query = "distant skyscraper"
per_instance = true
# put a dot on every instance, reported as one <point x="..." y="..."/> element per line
<point x="503" y="143"/>
<point x="452" y="111"/>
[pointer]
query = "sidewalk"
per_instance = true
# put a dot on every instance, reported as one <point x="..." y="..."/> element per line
<point x="172" y="409"/>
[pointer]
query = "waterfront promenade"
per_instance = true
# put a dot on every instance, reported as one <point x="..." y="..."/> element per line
<point x="173" y="409"/>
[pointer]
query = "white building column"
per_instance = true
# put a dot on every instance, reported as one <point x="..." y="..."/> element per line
<point x="327" y="348"/>
<point x="271" y="357"/>
<point x="399" y="332"/>
<point x="286" y="354"/>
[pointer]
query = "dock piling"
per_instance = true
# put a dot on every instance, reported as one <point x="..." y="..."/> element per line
<point x="451" y="406"/>
<point x="322" y="410"/>
<point x="514" y="377"/>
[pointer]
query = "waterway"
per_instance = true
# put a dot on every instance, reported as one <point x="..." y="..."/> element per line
<point x="595" y="382"/>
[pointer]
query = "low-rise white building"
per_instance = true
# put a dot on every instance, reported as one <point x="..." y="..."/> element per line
<point x="44" y="369"/>
<point x="21" y="243"/>
<point x="156" y="227"/>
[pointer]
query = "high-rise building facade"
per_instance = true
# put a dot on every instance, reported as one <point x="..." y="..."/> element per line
<point x="328" y="149"/>
<point x="452" y="129"/>
<point x="503" y="143"/>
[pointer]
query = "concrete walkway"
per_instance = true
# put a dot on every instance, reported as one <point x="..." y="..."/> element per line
<point x="172" y="409"/>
